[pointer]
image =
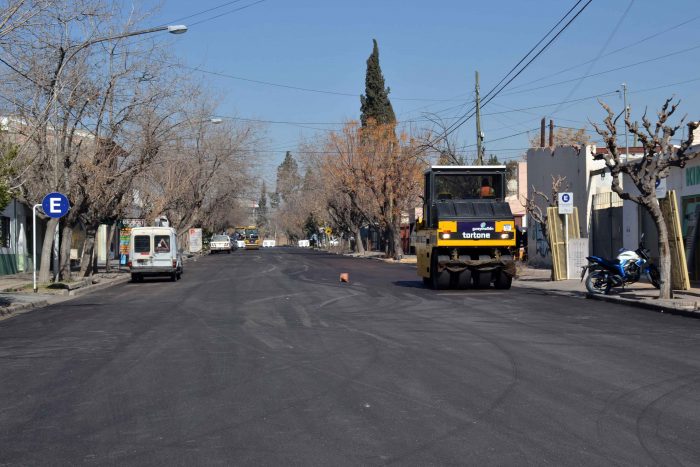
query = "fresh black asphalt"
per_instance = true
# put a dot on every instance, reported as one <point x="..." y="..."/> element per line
<point x="265" y="358"/>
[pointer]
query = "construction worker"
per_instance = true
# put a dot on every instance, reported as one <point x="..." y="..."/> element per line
<point x="487" y="190"/>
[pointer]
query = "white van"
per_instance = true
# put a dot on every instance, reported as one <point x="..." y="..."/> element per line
<point x="153" y="252"/>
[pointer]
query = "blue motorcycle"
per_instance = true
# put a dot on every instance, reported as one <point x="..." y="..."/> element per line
<point x="627" y="268"/>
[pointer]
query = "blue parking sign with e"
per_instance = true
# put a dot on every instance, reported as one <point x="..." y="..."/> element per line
<point x="565" y="197"/>
<point x="55" y="205"/>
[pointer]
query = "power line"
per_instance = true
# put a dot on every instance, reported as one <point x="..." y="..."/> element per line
<point x="493" y="93"/>
<point x="226" y="13"/>
<point x="628" y="46"/>
<point x="600" y="53"/>
<point x="199" y="13"/>
<point x="649" y="60"/>
<point x="534" y="47"/>
<point x="288" y="86"/>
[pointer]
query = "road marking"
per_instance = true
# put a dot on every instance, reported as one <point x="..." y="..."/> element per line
<point x="333" y="300"/>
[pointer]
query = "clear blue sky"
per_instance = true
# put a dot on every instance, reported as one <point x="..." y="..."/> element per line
<point x="429" y="50"/>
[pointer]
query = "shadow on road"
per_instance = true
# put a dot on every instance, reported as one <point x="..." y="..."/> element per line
<point x="410" y="284"/>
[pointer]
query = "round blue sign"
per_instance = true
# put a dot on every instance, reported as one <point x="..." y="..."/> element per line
<point x="565" y="197"/>
<point x="55" y="205"/>
<point x="658" y="182"/>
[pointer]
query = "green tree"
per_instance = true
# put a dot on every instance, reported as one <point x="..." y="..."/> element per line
<point x="262" y="207"/>
<point x="288" y="179"/>
<point x="274" y="200"/>
<point x="311" y="225"/>
<point x="493" y="160"/>
<point x="8" y="153"/>
<point x="375" y="104"/>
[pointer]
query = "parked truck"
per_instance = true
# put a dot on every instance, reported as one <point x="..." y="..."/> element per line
<point x="467" y="234"/>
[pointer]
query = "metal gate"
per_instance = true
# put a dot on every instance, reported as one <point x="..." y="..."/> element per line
<point x="606" y="225"/>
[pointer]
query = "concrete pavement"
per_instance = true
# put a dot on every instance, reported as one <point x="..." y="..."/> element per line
<point x="264" y="358"/>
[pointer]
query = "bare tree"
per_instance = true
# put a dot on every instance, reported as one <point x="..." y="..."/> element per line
<point x="659" y="156"/>
<point x="565" y="137"/>
<point x="444" y="146"/>
<point x="207" y="167"/>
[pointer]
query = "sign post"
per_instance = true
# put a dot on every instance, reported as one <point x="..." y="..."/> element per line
<point x="54" y="205"/>
<point x="566" y="207"/>
<point x="661" y="188"/>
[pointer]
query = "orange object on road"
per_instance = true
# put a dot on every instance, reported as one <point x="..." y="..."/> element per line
<point x="344" y="277"/>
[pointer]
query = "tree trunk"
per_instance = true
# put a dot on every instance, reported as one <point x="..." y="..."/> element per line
<point x="393" y="241"/>
<point x="665" y="291"/>
<point x="359" y="246"/>
<point x="47" y="250"/>
<point x="66" y="244"/>
<point x="86" y="266"/>
<point x="110" y="241"/>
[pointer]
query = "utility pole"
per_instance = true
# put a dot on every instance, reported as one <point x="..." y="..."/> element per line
<point x="479" y="134"/>
<point x="627" y="146"/>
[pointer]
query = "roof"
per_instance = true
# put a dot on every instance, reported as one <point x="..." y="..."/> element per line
<point x="475" y="168"/>
<point x="621" y="150"/>
<point x="468" y="167"/>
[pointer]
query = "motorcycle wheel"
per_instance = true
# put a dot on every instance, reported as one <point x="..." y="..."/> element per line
<point x="654" y="276"/>
<point x="596" y="282"/>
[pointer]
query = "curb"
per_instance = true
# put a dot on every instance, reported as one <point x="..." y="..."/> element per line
<point x="10" y="311"/>
<point x="99" y="285"/>
<point x="375" y="258"/>
<point x="661" y="308"/>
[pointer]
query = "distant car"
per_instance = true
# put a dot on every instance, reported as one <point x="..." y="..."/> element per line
<point x="220" y="243"/>
<point x="334" y="242"/>
<point x="240" y="243"/>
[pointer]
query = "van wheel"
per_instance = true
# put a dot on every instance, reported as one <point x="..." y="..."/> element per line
<point x="135" y="278"/>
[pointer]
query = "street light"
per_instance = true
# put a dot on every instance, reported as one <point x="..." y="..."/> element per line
<point x="177" y="29"/>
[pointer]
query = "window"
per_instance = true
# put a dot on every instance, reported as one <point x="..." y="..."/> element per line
<point x="4" y="232"/>
<point x="162" y="243"/>
<point x="142" y="244"/>
<point x="462" y="186"/>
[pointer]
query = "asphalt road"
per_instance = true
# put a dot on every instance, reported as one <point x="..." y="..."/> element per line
<point x="264" y="358"/>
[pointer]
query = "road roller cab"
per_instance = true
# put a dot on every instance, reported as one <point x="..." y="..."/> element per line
<point x="467" y="232"/>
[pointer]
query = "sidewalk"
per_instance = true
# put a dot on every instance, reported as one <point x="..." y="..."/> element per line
<point x="378" y="255"/>
<point x="17" y="296"/>
<point x="641" y="295"/>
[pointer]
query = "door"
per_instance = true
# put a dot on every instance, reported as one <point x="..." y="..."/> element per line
<point x="606" y="232"/>
<point x="162" y="251"/>
<point x="142" y="251"/>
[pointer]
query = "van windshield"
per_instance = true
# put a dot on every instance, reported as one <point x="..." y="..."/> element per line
<point x="142" y="244"/>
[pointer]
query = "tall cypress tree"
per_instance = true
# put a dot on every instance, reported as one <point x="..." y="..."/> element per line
<point x="375" y="102"/>
<point x="288" y="179"/>
<point x="262" y="207"/>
